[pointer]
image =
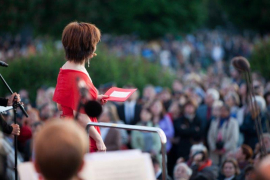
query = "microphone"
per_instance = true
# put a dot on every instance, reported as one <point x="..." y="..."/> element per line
<point x="2" y="63"/>
<point x="93" y="108"/>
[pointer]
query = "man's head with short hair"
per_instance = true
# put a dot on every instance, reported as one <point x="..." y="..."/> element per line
<point x="59" y="149"/>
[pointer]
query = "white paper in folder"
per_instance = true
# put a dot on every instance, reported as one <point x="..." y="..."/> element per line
<point x="118" y="165"/>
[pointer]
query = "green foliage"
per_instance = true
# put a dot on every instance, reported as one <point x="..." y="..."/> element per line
<point x="33" y="72"/>
<point x="147" y="18"/>
<point x="252" y="14"/>
<point x="260" y="59"/>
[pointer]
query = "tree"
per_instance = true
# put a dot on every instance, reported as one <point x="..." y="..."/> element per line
<point x="150" y="18"/>
<point x="251" y="14"/>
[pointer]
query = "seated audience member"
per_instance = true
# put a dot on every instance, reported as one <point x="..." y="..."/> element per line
<point x="146" y="141"/>
<point x="110" y="136"/>
<point x="264" y="169"/>
<point x="230" y="170"/>
<point x="59" y="150"/>
<point x="157" y="169"/>
<point x="161" y="119"/>
<point x="188" y="130"/>
<point x="202" y="167"/>
<point x="223" y="135"/>
<point x="244" y="156"/>
<point x="181" y="172"/>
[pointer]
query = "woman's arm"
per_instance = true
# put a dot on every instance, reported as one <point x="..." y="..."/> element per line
<point x="83" y="119"/>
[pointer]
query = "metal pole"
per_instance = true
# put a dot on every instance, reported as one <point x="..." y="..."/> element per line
<point x="15" y="141"/>
<point x="159" y="131"/>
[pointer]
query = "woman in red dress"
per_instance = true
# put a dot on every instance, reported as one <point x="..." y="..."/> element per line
<point x="79" y="41"/>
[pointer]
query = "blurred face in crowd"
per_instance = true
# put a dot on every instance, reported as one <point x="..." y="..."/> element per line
<point x="239" y="155"/>
<point x="175" y="109"/>
<point x="177" y="86"/>
<point x="229" y="169"/>
<point x="189" y="109"/>
<point x="250" y="175"/>
<point x="224" y="113"/>
<point x="198" y="159"/>
<point x="133" y="97"/>
<point x="266" y="142"/>
<point x="182" y="100"/>
<point x="209" y="100"/>
<point x="165" y="96"/>
<point x="149" y="93"/>
<point x="180" y="173"/>
<point x="156" y="108"/>
<point x="145" y="115"/>
<point x="243" y="89"/>
<point x="216" y="112"/>
<point x="229" y="101"/>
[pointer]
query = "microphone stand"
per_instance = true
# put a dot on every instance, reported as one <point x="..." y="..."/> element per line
<point x="15" y="106"/>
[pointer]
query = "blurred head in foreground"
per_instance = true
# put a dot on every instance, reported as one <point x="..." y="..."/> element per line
<point x="263" y="169"/>
<point x="59" y="149"/>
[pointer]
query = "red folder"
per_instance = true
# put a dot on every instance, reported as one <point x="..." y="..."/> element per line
<point x="119" y="94"/>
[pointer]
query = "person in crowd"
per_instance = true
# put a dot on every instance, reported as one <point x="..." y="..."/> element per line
<point x="115" y="119"/>
<point x="147" y="142"/>
<point x="110" y="136"/>
<point x="202" y="168"/>
<point x="129" y="112"/>
<point x="35" y="127"/>
<point x="165" y="96"/>
<point x="249" y="173"/>
<point x="149" y="94"/>
<point x="13" y="129"/>
<point x="248" y="128"/>
<point x="65" y="159"/>
<point x="233" y="101"/>
<point x="175" y="110"/>
<point x="230" y="170"/>
<point x="157" y="169"/>
<point x="264" y="143"/>
<point x="79" y="41"/>
<point x="181" y="172"/>
<point x="223" y="135"/>
<point x="188" y="129"/>
<point x="244" y="156"/>
<point x="163" y="120"/>
<point x="204" y="112"/>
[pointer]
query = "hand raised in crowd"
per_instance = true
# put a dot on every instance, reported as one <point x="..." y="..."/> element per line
<point x="11" y="99"/>
<point x="16" y="129"/>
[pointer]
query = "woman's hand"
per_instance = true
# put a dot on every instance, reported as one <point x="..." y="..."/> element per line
<point x="102" y="98"/>
<point x="11" y="99"/>
<point x="16" y="129"/>
<point x="101" y="146"/>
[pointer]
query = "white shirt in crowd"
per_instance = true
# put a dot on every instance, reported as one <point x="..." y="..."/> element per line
<point x="129" y="110"/>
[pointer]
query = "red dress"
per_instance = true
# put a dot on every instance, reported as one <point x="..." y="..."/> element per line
<point x="67" y="95"/>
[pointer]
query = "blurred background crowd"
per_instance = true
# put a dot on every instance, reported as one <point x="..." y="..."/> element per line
<point x="177" y="54"/>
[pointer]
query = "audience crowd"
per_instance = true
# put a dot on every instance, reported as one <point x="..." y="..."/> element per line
<point x="205" y="116"/>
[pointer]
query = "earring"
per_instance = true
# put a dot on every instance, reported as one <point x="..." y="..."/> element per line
<point x="88" y="62"/>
